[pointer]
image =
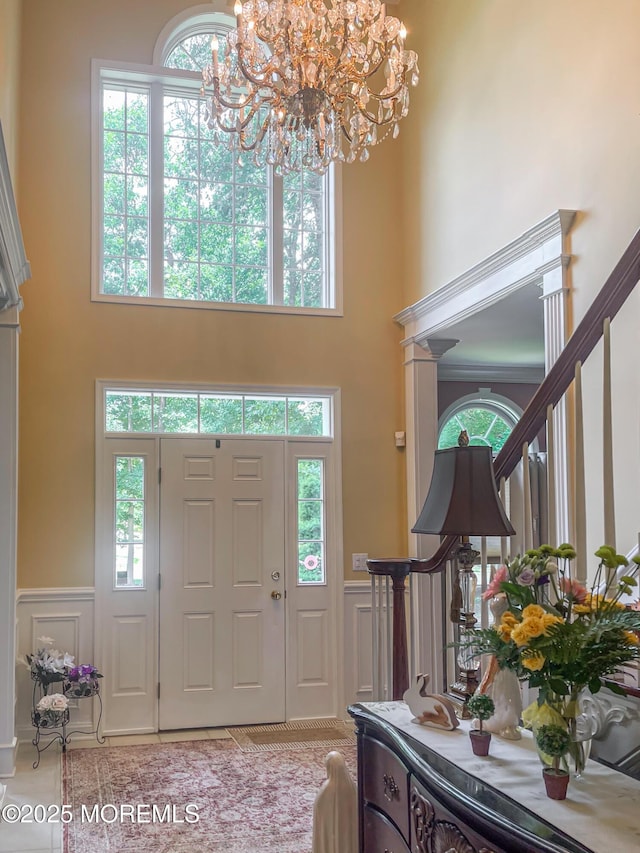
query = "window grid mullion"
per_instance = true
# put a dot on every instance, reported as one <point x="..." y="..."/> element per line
<point x="156" y="190"/>
<point x="275" y="216"/>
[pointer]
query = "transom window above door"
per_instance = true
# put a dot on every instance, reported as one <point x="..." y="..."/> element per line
<point x="216" y="413"/>
<point x="179" y="219"/>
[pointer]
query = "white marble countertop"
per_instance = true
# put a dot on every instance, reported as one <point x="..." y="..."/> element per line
<point x="602" y="809"/>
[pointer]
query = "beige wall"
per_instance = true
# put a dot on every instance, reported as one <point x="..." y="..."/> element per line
<point x="9" y="67"/>
<point x="523" y="108"/>
<point x="68" y="341"/>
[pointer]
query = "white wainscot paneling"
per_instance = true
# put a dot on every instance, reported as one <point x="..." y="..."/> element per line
<point x="358" y="660"/>
<point x="66" y="615"/>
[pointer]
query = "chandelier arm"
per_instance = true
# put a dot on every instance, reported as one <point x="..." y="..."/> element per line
<point x="390" y="95"/>
<point x="373" y="119"/>
<point x="230" y="105"/>
<point x="271" y="69"/>
<point x="267" y="69"/>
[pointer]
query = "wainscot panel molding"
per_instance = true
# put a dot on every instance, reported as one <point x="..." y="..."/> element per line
<point x="67" y="615"/>
<point x="358" y="658"/>
<point x="358" y="653"/>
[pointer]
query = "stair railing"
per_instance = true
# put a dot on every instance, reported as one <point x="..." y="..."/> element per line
<point x="564" y="375"/>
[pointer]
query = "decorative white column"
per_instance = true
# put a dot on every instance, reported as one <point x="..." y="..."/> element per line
<point x="555" y="300"/>
<point x="9" y="330"/>
<point x="421" y="418"/>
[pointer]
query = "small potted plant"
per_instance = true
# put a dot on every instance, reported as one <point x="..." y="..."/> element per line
<point x="480" y="706"/>
<point x="554" y="741"/>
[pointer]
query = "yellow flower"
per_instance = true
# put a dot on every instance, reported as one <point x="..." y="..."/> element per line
<point x="533" y="610"/>
<point x="527" y="629"/>
<point x="549" y="619"/>
<point x="534" y="662"/>
<point x="505" y="632"/>
<point x="608" y="603"/>
<point x="582" y="608"/>
<point x="508" y="618"/>
<point x="632" y="637"/>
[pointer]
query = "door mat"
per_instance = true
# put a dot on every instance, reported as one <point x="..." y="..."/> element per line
<point x="299" y="734"/>
<point x="243" y="803"/>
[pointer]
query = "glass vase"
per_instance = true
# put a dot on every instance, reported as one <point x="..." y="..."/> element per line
<point x="567" y="712"/>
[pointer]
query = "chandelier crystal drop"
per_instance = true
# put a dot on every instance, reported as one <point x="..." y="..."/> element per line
<point x="302" y="83"/>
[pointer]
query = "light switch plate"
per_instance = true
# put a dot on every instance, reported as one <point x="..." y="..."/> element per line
<point x="359" y="562"/>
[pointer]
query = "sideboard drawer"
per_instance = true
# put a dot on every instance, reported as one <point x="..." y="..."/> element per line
<point x="380" y="835"/>
<point x="386" y="783"/>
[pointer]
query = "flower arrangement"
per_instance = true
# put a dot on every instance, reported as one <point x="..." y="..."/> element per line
<point x="53" y="702"/>
<point x="51" y="710"/>
<point x="82" y="681"/>
<point x="48" y="665"/>
<point x="558" y="634"/>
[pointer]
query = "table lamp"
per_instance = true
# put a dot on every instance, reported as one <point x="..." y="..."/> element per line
<point x="463" y="501"/>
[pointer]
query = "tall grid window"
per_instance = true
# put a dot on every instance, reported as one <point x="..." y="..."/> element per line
<point x="129" y="501"/>
<point x="311" y="522"/>
<point x="183" y="218"/>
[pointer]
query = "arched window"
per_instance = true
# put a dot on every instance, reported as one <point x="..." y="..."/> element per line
<point x="178" y="216"/>
<point x="488" y="419"/>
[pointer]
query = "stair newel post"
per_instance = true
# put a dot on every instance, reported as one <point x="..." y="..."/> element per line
<point x="397" y="569"/>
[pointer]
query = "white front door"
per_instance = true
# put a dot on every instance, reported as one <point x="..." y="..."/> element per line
<point x="222" y="604"/>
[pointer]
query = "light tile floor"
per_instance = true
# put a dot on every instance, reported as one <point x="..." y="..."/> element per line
<point x="43" y="786"/>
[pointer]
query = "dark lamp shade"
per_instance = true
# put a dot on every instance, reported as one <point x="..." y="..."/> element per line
<point x="463" y="499"/>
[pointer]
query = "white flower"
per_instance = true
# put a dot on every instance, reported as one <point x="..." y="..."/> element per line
<point x="54" y="702"/>
<point x="46" y="641"/>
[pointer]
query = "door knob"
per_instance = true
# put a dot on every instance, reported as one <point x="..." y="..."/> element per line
<point x="276" y="595"/>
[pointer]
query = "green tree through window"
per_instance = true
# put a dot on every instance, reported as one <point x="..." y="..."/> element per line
<point x="194" y="222"/>
<point x="483" y="425"/>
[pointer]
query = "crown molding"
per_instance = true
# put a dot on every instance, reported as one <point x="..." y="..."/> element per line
<point x="525" y="260"/>
<point x="517" y="374"/>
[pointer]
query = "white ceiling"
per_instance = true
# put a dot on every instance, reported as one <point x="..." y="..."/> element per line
<point x="510" y="334"/>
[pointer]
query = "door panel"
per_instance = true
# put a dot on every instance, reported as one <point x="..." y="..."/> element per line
<point x="222" y="659"/>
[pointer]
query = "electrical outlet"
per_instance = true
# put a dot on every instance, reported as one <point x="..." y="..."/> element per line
<point x="359" y="562"/>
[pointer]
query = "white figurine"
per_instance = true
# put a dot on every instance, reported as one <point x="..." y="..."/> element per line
<point x="335" y="811"/>
<point x="503" y="687"/>
<point x="430" y="709"/>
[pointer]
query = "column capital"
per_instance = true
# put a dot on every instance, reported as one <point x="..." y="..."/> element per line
<point x="429" y="350"/>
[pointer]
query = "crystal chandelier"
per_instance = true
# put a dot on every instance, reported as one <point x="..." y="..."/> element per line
<point x="293" y="84"/>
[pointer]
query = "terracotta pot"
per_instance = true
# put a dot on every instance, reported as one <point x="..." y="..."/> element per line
<point x="556" y="783"/>
<point x="480" y="742"/>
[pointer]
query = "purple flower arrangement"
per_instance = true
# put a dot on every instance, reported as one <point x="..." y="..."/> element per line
<point x="82" y="681"/>
<point x="83" y="674"/>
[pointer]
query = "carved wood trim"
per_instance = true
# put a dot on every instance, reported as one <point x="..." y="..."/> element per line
<point x="436" y="836"/>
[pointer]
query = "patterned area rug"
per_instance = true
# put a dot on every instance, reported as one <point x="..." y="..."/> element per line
<point x="301" y="734"/>
<point x="244" y="802"/>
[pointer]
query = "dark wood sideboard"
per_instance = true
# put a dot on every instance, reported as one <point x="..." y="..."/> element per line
<point x="412" y="800"/>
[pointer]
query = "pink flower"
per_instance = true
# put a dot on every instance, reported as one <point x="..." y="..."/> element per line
<point x="494" y="586"/>
<point x="311" y="562"/>
<point x="575" y="590"/>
